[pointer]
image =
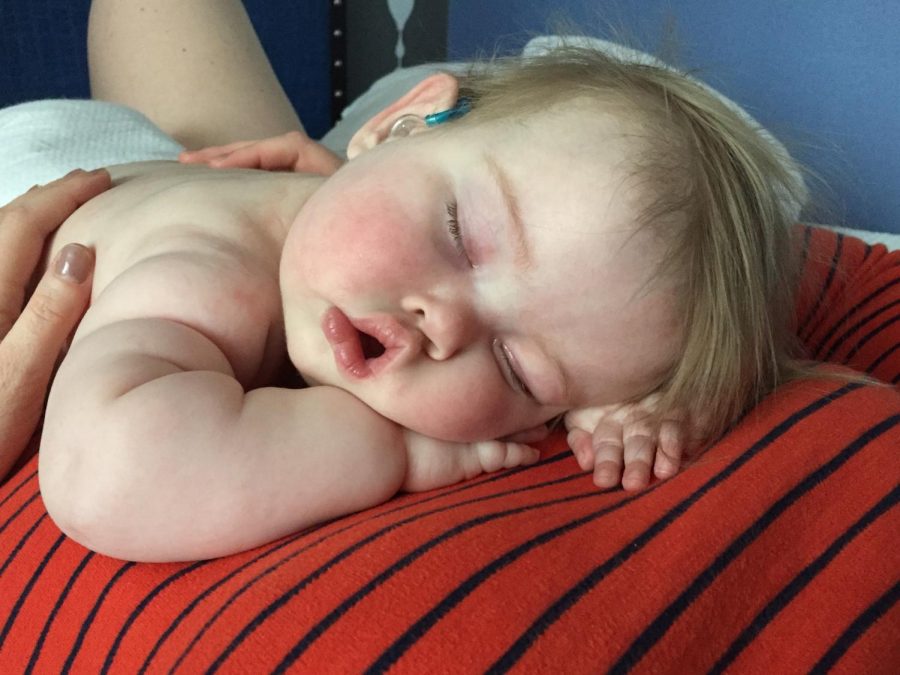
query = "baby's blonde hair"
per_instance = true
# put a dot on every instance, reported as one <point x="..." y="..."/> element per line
<point x="723" y="203"/>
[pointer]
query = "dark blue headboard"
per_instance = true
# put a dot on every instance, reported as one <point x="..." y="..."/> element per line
<point x="823" y="75"/>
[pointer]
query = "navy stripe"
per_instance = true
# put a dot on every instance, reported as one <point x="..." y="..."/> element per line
<point x="184" y="613"/>
<point x="21" y="543"/>
<point x="872" y="333"/>
<point x="660" y="626"/>
<point x="142" y="605"/>
<point x="802" y="580"/>
<point x="32" y="662"/>
<point x="402" y="644"/>
<point x="850" y="312"/>
<point x="568" y="599"/>
<point x="468" y="485"/>
<point x="17" y="488"/>
<point x="877" y="362"/>
<point x="804" y="248"/>
<point x="23" y="596"/>
<point x="805" y="330"/>
<point x="855" y="327"/>
<point x="89" y="620"/>
<point x="857" y="629"/>
<point x="338" y="612"/>
<point x="866" y="253"/>
<point x="285" y="597"/>
<point x="18" y="512"/>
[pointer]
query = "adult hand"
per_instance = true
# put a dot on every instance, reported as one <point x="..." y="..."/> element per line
<point x="32" y="338"/>
<point x="293" y="151"/>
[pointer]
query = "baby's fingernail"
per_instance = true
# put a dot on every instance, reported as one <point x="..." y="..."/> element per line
<point x="74" y="263"/>
<point x="73" y="172"/>
<point x="604" y="478"/>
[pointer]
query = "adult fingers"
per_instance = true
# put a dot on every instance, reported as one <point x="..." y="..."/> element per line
<point x="28" y="353"/>
<point x="203" y="155"/>
<point x="318" y="159"/>
<point x="24" y="225"/>
<point x="270" y="154"/>
<point x="36" y="338"/>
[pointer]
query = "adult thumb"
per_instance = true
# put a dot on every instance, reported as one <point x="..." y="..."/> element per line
<point x="58" y="301"/>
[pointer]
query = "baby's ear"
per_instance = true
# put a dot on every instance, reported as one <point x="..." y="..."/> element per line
<point x="435" y="93"/>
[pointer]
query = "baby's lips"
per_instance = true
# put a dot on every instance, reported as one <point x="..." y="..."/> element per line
<point x="343" y="334"/>
<point x="400" y="343"/>
<point x="345" y="344"/>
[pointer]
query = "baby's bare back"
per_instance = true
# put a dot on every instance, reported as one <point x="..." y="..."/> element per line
<point x="192" y="245"/>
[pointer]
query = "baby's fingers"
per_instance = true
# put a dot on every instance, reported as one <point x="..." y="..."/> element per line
<point x="495" y="455"/>
<point x="589" y="418"/>
<point x="608" y="453"/>
<point x="519" y="454"/>
<point x="582" y="447"/>
<point x="669" y="449"/>
<point x="640" y="448"/>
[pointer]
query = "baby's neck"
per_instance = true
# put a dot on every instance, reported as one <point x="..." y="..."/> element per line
<point x="281" y="201"/>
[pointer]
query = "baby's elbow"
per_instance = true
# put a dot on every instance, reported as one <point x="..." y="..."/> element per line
<point x="82" y="502"/>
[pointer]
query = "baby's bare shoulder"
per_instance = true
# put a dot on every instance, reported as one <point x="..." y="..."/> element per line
<point x="229" y="299"/>
<point x="185" y="246"/>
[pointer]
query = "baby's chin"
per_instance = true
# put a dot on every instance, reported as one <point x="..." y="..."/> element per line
<point x="442" y="428"/>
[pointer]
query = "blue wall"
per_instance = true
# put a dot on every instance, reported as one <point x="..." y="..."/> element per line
<point x="823" y="75"/>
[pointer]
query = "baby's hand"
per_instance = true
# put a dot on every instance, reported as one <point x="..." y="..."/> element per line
<point x="636" y="436"/>
<point x="432" y="463"/>
<point x="293" y="151"/>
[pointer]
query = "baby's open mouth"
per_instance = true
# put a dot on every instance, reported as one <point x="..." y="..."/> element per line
<point x="366" y="346"/>
<point x="371" y="346"/>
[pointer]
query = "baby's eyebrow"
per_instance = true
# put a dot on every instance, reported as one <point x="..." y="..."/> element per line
<point x="520" y="244"/>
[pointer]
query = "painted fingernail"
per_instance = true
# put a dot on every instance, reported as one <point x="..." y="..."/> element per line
<point x="74" y="263"/>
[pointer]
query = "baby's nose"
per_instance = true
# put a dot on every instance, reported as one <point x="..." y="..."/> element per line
<point x="448" y="325"/>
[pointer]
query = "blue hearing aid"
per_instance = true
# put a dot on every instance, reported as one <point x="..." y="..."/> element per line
<point x="406" y="124"/>
<point x="463" y="105"/>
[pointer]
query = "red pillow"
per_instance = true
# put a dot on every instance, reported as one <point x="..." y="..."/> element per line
<point x="775" y="551"/>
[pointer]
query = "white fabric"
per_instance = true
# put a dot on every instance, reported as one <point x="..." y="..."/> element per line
<point x="43" y="140"/>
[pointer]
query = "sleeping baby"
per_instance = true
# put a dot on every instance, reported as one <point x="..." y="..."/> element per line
<point x="444" y="295"/>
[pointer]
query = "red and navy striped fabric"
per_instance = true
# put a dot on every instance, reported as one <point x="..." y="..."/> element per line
<point x="772" y="552"/>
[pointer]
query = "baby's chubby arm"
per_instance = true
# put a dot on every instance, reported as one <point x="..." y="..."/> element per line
<point x="153" y="451"/>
